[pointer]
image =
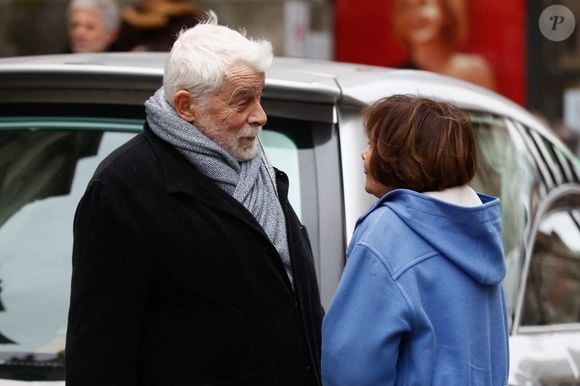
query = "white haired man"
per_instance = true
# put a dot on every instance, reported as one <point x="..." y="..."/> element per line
<point x="189" y="265"/>
<point x="92" y="25"/>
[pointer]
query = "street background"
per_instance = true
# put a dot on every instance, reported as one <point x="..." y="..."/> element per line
<point x="535" y="72"/>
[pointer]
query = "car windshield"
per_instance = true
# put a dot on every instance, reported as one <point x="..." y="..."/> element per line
<point x="505" y="171"/>
<point x="45" y="165"/>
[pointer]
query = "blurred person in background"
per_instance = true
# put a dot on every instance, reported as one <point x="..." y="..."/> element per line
<point x="92" y="25"/>
<point x="431" y="32"/>
<point x="153" y="25"/>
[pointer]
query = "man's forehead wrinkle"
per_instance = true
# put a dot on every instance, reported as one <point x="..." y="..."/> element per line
<point x="241" y="81"/>
<point x="241" y="73"/>
<point x="245" y="89"/>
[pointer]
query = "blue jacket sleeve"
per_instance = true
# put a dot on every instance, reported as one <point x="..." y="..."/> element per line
<point x="363" y="327"/>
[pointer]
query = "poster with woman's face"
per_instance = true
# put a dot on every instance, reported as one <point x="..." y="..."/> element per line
<point x="480" y="41"/>
<point x="432" y="33"/>
<point x="419" y="22"/>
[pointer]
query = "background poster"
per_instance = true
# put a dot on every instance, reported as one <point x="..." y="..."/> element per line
<point x="496" y="32"/>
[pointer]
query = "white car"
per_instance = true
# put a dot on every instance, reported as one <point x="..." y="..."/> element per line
<point x="60" y="115"/>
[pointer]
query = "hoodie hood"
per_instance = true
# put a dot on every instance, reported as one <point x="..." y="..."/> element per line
<point x="470" y="237"/>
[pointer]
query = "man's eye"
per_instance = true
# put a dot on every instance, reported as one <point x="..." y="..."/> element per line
<point x="242" y="104"/>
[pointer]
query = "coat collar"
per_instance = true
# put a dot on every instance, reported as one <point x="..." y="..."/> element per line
<point x="181" y="177"/>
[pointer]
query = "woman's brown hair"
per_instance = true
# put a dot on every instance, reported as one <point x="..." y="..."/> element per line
<point x="419" y="144"/>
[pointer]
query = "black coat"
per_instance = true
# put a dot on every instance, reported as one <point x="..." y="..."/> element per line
<point x="175" y="283"/>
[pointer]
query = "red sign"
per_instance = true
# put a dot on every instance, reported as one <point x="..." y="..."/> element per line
<point x="495" y="38"/>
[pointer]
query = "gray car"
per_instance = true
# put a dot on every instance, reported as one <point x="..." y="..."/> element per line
<point x="61" y="115"/>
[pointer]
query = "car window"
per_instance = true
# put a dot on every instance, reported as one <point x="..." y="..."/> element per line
<point x="290" y="146"/>
<point x="45" y="166"/>
<point x="283" y="154"/>
<point x="505" y="171"/>
<point x="552" y="294"/>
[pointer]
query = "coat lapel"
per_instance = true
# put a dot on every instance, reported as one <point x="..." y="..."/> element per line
<point x="181" y="177"/>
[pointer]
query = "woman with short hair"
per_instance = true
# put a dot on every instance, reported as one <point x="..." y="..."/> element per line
<point x="420" y="301"/>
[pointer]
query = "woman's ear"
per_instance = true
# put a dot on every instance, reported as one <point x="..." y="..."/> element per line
<point x="184" y="106"/>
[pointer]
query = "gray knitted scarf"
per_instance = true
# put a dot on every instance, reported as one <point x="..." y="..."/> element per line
<point x="252" y="183"/>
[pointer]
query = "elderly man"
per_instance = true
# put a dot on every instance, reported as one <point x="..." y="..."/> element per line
<point x="92" y="25"/>
<point x="190" y="267"/>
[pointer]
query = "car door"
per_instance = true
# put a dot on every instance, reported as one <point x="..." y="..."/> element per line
<point x="545" y="342"/>
<point x="301" y="138"/>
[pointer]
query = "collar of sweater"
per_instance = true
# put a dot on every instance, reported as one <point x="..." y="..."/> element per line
<point x="459" y="195"/>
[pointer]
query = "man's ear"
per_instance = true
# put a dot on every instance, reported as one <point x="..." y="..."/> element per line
<point x="183" y="106"/>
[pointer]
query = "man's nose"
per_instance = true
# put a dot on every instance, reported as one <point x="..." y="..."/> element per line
<point x="258" y="115"/>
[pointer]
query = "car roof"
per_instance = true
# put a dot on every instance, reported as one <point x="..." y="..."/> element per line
<point x="129" y="78"/>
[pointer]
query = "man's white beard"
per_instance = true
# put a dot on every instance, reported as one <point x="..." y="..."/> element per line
<point x="238" y="145"/>
<point x="245" y="145"/>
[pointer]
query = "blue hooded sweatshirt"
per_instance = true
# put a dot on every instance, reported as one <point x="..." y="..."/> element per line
<point x="420" y="301"/>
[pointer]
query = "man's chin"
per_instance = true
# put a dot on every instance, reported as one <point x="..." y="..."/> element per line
<point x="246" y="156"/>
<point x="246" y="153"/>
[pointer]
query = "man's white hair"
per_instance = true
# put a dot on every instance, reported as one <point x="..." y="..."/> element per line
<point x="202" y="55"/>
<point x="109" y="11"/>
